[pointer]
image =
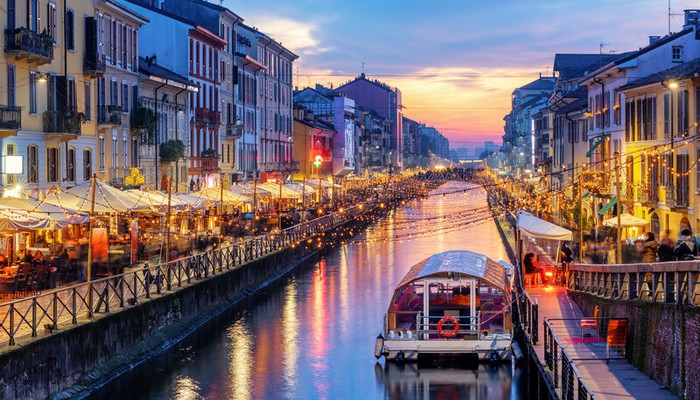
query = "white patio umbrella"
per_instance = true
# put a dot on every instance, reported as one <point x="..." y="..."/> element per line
<point x="626" y="221"/>
<point x="216" y="194"/>
<point x="60" y="216"/>
<point x="108" y="199"/>
<point x="158" y="200"/>
<point x="18" y="219"/>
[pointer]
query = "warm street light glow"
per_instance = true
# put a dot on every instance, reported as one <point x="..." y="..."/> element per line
<point x="673" y="85"/>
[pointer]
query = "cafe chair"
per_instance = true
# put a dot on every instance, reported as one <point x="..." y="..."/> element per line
<point x="8" y="290"/>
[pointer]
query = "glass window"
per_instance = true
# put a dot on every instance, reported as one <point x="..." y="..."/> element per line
<point x="10" y="152"/>
<point x="102" y="153"/>
<point x="70" y="165"/>
<point x="33" y="75"/>
<point x="88" y="102"/>
<point x="125" y="97"/>
<point x="87" y="164"/>
<point x="11" y="85"/>
<point x="32" y="164"/>
<point x="70" y="29"/>
<point x="52" y="164"/>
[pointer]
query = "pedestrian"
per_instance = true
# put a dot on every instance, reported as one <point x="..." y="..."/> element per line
<point x="685" y="246"/>
<point x="566" y="253"/>
<point x="666" y="250"/>
<point x="648" y="248"/>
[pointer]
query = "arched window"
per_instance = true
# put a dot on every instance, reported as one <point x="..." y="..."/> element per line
<point x="52" y="164"/>
<point x="70" y="165"/>
<point x="87" y="164"/>
<point x="32" y="164"/>
<point x="10" y="150"/>
<point x="655" y="224"/>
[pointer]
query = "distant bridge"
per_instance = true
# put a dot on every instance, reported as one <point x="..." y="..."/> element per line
<point x="450" y="174"/>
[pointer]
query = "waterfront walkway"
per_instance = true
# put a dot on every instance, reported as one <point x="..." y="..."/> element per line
<point x="605" y="379"/>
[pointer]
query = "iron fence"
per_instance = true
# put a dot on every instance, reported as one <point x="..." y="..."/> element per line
<point x="84" y="302"/>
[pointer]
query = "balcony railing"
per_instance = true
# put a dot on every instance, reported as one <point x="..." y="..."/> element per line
<point x="10" y="118"/>
<point x="290" y="166"/>
<point x="206" y="116"/>
<point x="111" y="114"/>
<point x="57" y="122"/>
<point x="24" y="43"/>
<point x="204" y="164"/>
<point x="233" y="132"/>
<point x="677" y="196"/>
<point x="649" y="194"/>
<point x="94" y="65"/>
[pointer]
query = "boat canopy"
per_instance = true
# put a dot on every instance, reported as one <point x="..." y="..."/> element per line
<point x="539" y="228"/>
<point x="462" y="262"/>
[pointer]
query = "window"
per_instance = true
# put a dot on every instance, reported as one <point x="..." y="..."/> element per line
<point x="11" y="14"/>
<point x="677" y="53"/>
<point x="70" y="30"/>
<point x="11" y="85"/>
<point x="134" y="152"/>
<point x="32" y="164"/>
<point x="123" y="49"/>
<point x="51" y="92"/>
<point x="33" y="75"/>
<point x="102" y="153"/>
<point x="70" y="165"/>
<point x="52" y="164"/>
<point x="125" y="151"/>
<point x="72" y="101"/>
<point x="134" y="97"/>
<point x="10" y="152"/>
<point x="114" y="92"/>
<point x="88" y="102"/>
<point x="33" y="15"/>
<point x="51" y="20"/>
<point x="113" y="44"/>
<point x="115" y="152"/>
<point x="125" y="97"/>
<point x="87" y="164"/>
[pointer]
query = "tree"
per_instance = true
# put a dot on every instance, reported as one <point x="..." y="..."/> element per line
<point x="172" y="150"/>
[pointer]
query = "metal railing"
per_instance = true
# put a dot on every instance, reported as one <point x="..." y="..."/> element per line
<point x="26" y="41"/>
<point x="10" y="117"/>
<point x="82" y="303"/>
<point x="666" y="282"/>
<point x="562" y="370"/>
<point x="529" y="316"/>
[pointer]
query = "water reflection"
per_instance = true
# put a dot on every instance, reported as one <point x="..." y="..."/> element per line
<point x="312" y="337"/>
<point x="408" y="381"/>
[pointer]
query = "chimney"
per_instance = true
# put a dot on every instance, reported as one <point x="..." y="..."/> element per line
<point x="654" y="39"/>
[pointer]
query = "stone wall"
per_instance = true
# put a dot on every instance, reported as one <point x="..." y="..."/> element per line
<point x="663" y="341"/>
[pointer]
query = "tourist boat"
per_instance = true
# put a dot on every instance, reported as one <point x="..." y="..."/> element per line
<point x="456" y="302"/>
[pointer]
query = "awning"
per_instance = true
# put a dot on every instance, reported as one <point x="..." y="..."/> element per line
<point x="595" y="142"/>
<point x="538" y="228"/>
<point x="608" y="206"/>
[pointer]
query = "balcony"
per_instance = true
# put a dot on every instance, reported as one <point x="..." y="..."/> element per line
<point x="111" y="114"/>
<point x="10" y="120"/>
<point x="69" y="123"/>
<point x="94" y="65"/>
<point x="204" y="165"/>
<point x="22" y="43"/>
<point x="203" y="116"/>
<point x="649" y="195"/>
<point x="677" y="197"/>
<point x="233" y="131"/>
<point x="290" y="166"/>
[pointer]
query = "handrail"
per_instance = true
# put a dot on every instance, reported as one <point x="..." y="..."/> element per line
<point x="70" y="305"/>
<point x="560" y="366"/>
<point x="673" y="282"/>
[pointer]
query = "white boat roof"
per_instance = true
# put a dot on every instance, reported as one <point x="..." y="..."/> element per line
<point x="463" y="262"/>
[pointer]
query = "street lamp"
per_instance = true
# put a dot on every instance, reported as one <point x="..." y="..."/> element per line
<point x="317" y="163"/>
<point x="672" y="86"/>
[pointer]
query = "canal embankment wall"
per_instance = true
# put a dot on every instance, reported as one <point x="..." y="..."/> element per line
<point x="663" y="340"/>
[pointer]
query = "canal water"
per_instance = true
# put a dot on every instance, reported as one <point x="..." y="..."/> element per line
<point x="312" y="337"/>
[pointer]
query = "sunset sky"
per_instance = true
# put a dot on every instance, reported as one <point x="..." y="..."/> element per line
<point x="455" y="61"/>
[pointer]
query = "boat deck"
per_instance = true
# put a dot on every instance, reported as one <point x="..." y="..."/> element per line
<point x="616" y="379"/>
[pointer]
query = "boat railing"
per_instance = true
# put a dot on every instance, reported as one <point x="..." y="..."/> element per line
<point x="467" y="325"/>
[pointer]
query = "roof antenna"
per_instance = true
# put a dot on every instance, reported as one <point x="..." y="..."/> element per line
<point x="603" y="45"/>
<point x="363" y="67"/>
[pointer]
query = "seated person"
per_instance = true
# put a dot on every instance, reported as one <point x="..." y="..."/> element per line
<point x="529" y="264"/>
<point x="3" y="260"/>
<point x="38" y="256"/>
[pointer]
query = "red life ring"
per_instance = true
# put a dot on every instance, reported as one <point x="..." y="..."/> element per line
<point x="453" y="321"/>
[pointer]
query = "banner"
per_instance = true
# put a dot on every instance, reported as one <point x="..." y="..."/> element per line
<point x="99" y="245"/>
<point x="134" y="242"/>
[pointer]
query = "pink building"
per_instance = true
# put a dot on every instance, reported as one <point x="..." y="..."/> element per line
<point x="372" y="95"/>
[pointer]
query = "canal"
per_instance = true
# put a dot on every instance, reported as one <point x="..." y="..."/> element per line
<point x="312" y="337"/>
